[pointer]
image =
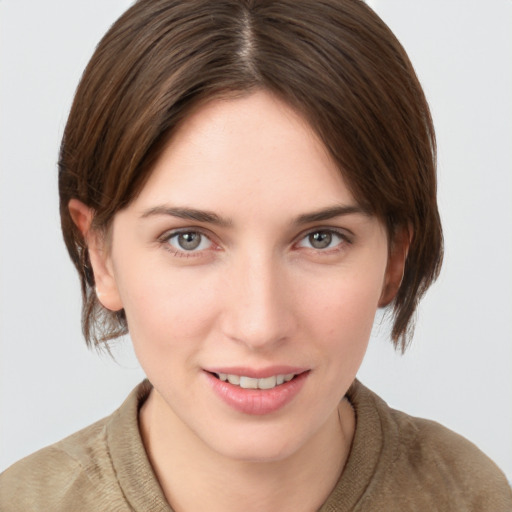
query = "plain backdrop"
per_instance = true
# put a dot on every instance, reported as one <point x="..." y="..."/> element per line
<point x="459" y="368"/>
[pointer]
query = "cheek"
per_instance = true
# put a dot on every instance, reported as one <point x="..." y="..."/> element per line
<point x="341" y="319"/>
<point x="169" y="318"/>
<point x="166" y="307"/>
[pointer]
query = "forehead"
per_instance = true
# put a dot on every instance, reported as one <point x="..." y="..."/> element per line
<point x="240" y="151"/>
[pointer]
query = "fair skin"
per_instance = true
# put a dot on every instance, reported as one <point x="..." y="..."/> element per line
<point x="246" y="254"/>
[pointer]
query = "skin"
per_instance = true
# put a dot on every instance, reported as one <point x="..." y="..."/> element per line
<point x="258" y="291"/>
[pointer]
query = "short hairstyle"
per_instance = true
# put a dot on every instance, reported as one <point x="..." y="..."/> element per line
<point x="334" y="61"/>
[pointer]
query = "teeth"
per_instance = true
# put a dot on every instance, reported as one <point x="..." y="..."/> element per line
<point x="248" y="383"/>
<point x="234" y="379"/>
<point x="268" y="383"/>
<point x="251" y="383"/>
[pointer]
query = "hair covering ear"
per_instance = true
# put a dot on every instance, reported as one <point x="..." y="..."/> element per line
<point x="81" y="215"/>
<point x="399" y="248"/>
<point x="106" y="286"/>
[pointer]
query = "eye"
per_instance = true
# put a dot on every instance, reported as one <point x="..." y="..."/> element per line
<point x="189" y="241"/>
<point x="322" y="239"/>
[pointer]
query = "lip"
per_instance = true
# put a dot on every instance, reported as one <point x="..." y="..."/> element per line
<point x="257" y="401"/>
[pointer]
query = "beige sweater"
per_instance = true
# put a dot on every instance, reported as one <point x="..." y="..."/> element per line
<point x="396" y="463"/>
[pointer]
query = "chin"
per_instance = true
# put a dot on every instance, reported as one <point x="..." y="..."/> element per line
<point x="265" y="444"/>
<point x="260" y="452"/>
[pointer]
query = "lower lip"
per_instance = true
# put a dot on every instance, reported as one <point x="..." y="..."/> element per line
<point x="257" y="401"/>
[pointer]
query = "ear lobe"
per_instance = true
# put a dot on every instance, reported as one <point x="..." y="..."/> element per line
<point x="396" y="265"/>
<point x="99" y="256"/>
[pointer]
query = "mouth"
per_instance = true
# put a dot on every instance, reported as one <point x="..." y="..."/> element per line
<point x="257" y="391"/>
<point x="245" y="382"/>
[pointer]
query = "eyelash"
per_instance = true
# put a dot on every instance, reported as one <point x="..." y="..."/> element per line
<point x="341" y="235"/>
<point x="183" y="253"/>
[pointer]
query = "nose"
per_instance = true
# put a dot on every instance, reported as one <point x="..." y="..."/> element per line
<point x="258" y="309"/>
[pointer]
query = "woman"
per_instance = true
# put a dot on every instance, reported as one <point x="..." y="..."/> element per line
<point x="243" y="184"/>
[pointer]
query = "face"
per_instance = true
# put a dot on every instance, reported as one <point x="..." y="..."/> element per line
<point x="250" y="278"/>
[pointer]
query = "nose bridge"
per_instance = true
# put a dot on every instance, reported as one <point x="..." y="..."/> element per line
<point x="258" y="312"/>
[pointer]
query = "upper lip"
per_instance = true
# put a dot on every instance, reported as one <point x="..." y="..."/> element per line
<point x="257" y="373"/>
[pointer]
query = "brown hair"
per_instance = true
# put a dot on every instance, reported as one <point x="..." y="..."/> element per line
<point x="334" y="61"/>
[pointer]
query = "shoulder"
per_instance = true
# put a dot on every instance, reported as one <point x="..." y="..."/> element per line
<point x="426" y="443"/>
<point x="56" y="476"/>
<point x="80" y="471"/>
<point x="422" y="461"/>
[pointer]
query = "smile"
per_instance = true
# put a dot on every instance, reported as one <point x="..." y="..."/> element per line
<point x="257" y="391"/>
<point x="252" y="383"/>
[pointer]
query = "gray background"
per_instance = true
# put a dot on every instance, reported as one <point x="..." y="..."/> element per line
<point x="459" y="369"/>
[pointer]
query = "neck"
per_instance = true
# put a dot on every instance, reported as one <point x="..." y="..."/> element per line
<point x="196" y="478"/>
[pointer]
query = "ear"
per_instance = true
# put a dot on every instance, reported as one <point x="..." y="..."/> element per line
<point x="399" y="248"/>
<point x="99" y="255"/>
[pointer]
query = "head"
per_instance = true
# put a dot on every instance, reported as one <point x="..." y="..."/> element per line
<point x="333" y="62"/>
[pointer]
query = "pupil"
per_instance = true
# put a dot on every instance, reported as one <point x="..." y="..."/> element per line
<point x="320" y="240"/>
<point x="189" y="241"/>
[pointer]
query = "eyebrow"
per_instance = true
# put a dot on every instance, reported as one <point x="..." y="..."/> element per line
<point x="188" y="214"/>
<point x="212" y="218"/>
<point x="330" y="213"/>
